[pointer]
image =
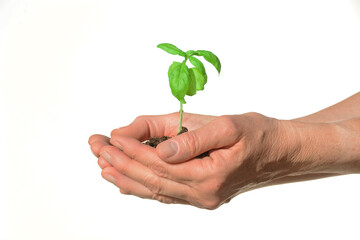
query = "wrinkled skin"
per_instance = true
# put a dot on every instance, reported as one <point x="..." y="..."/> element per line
<point x="246" y="152"/>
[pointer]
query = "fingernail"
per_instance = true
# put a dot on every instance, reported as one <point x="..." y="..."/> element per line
<point x="118" y="144"/>
<point x="106" y="156"/>
<point x="168" y="149"/>
<point x="109" y="178"/>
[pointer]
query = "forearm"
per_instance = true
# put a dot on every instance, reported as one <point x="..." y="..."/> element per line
<point x="349" y="132"/>
<point x="330" y="148"/>
<point x="346" y="109"/>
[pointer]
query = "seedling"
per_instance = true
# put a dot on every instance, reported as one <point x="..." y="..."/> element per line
<point x="187" y="81"/>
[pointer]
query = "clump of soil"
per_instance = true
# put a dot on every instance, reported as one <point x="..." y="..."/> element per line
<point x="153" y="142"/>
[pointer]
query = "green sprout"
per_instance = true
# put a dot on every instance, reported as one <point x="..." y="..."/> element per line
<point x="187" y="81"/>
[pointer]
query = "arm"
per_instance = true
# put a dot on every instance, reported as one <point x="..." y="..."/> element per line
<point x="248" y="151"/>
<point x="346" y="109"/>
<point x="330" y="148"/>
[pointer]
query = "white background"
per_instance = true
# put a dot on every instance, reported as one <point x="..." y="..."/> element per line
<point x="69" y="69"/>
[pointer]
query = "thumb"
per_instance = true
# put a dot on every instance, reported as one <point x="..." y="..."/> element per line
<point x="218" y="133"/>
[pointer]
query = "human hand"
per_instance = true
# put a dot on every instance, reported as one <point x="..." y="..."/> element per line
<point x="301" y="149"/>
<point x="98" y="141"/>
<point x="242" y="157"/>
<point x="139" y="130"/>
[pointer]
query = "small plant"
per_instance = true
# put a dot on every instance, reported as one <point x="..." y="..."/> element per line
<point x="187" y="81"/>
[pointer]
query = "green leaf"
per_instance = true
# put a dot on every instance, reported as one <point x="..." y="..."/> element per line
<point x="192" y="85"/>
<point x="179" y="80"/>
<point x="172" y="67"/>
<point x="211" y="58"/>
<point x="172" y="49"/>
<point x="199" y="65"/>
<point x="199" y="79"/>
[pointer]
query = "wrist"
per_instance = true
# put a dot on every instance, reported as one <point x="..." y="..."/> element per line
<point x="327" y="147"/>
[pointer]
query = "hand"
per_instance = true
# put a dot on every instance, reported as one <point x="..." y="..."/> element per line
<point x="139" y="129"/>
<point x="97" y="142"/>
<point x="246" y="152"/>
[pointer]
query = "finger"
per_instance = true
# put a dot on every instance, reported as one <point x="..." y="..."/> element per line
<point x="128" y="186"/>
<point x="103" y="163"/>
<point x="125" y="184"/>
<point x="97" y="143"/>
<point x="220" y="132"/>
<point x="98" y="138"/>
<point x="143" y="175"/>
<point x="148" y="157"/>
<point x="144" y="127"/>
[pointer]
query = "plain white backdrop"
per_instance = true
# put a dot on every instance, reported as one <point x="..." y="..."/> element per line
<point x="69" y="69"/>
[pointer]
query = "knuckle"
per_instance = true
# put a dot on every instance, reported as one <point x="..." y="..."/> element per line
<point x="152" y="182"/>
<point x="131" y="155"/>
<point x="159" y="169"/>
<point x="256" y="118"/>
<point x="254" y="114"/>
<point x="228" y="125"/>
<point x="162" y="199"/>
<point x="211" y="203"/>
<point x="191" y="142"/>
<point x="123" y="167"/>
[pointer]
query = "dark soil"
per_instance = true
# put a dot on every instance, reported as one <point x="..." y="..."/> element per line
<point x="153" y="142"/>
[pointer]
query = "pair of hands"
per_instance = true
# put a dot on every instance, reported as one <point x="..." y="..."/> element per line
<point x="247" y="151"/>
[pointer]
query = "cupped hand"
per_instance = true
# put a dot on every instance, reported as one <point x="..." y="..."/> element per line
<point x="141" y="129"/>
<point x="246" y="151"/>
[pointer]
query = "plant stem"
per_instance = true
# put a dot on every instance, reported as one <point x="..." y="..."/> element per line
<point x="181" y="115"/>
<point x="181" y="105"/>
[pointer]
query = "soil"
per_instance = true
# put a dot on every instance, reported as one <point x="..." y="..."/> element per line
<point x="153" y="142"/>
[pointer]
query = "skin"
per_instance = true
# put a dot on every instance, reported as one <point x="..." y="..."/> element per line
<point x="247" y="151"/>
